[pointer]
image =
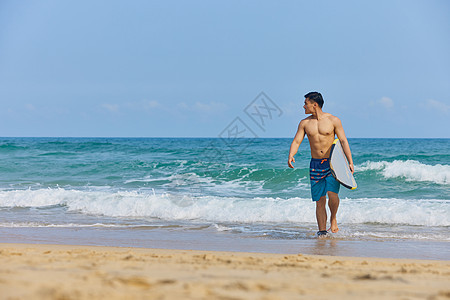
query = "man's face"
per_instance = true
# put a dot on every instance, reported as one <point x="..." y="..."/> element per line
<point x="309" y="106"/>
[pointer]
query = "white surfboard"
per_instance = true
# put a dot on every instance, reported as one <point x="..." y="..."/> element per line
<point x="339" y="166"/>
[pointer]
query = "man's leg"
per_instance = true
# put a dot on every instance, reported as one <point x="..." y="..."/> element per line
<point x="321" y="213"/>
<point x="333" y="204"/>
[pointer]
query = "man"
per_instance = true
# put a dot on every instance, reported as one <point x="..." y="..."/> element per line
<point x="321" y="128"/>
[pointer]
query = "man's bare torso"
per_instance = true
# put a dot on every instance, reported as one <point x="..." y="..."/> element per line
<point x="320" y="134"/>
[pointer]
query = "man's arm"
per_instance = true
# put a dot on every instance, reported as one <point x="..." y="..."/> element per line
<point x="339" y="130"/>
<point x="298" y="139"/>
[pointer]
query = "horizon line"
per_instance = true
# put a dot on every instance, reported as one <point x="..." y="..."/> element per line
<point x="204" y="137"/>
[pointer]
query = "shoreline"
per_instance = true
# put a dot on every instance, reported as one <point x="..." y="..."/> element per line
<point x="211" y="240"/>
<point x="46" y="271"/>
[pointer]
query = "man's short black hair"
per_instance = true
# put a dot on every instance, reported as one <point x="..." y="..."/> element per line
<point x="316" y="97"/>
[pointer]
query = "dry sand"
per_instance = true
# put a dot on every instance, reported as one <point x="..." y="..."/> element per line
<point x="29" y="271"/>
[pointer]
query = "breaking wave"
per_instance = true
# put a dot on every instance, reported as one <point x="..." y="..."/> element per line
<point x="423" y="212"/>
<point x="410" y="170"/>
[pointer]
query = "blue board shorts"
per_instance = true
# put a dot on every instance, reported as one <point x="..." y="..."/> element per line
<point x="322" y="180"/>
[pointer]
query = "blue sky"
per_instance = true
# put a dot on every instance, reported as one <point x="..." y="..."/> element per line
<point x="189" y="68"/>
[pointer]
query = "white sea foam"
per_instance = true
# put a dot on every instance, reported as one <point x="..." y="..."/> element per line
<point x="231" y="209"/>
<point x="206" y="184"/>
<point x="411" y="170"/>
<point x="394" y="235"/>
<point x="66" y="225"/>
<point x="195" y="183"/>
<point x="222" y="227"/>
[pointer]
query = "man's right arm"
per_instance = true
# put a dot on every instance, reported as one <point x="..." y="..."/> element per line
<point x="298" y="139"/>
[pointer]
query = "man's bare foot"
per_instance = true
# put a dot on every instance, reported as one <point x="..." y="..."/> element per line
<point x="334" y="227"/>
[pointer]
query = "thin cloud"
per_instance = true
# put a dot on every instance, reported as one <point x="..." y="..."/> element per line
<point x="30" y="107"/>
<point x="127" y="107"/>
<point x="437" y="105"/>
<point x="113" y="108"/>
<point x="210" y="107"/>
<point x="386" y="102"/>
<point x="293" y="108"/>
<point x="206" y="108"/>
<point x="144" y="105"/>
<point x="151" y="104"/>
<point x="183" y="106"/>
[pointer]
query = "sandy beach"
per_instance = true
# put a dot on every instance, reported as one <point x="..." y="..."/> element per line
<point x="32" y="271"/>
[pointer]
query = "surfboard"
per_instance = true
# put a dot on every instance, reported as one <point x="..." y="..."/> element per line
<point x="339" y="166"/>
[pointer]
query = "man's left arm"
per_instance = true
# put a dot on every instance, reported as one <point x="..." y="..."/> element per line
<point x="339" y="130"/>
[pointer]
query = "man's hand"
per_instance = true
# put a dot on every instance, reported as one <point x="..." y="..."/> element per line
<point x="351" y="168"/>
<point x="290" y="161"/>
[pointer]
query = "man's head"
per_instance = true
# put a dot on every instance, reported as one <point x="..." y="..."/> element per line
<point x="313" y="102"/>
<point x="315" y="97"/>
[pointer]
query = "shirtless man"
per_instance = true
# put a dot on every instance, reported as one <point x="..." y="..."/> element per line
<point x="321" y="128"/>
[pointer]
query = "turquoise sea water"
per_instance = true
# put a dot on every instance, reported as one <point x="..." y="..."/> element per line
<point x="240" y="188"/>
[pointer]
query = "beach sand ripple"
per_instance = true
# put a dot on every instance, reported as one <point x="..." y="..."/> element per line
<point x="31" y="271"/>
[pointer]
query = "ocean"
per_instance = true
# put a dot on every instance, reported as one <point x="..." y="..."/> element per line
<point x="222" y="194"/>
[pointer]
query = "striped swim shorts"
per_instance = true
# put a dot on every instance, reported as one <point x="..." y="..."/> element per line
<point x="322" y="181"/>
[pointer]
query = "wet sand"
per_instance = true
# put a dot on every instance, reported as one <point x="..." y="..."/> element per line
<point x="36" y="271"/>
<point x="211" y="240"/>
